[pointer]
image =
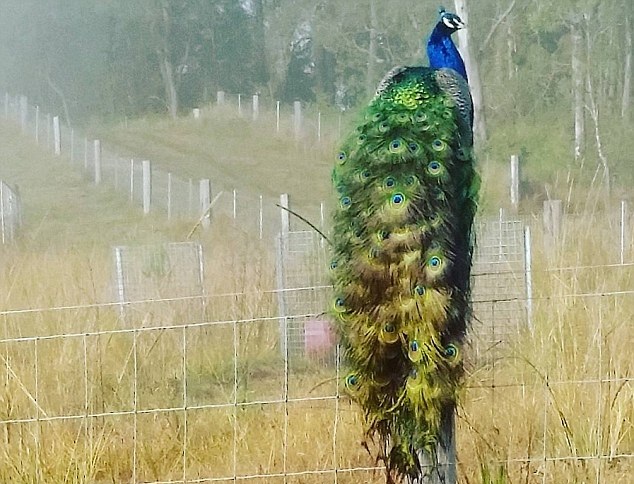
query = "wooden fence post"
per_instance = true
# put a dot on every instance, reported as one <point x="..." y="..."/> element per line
<point x="439" y="466"/>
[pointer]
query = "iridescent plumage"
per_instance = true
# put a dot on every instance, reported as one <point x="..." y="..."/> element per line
<point x="403" y="241"/>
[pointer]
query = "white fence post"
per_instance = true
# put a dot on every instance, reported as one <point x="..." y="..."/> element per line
<point x="37" y="124"/>
<point x="297" y="118"/>
<point x="515" y="182"/>
<point x="319" y="126"/>
<point x="239" y="104"/>
<point x="147" y="186"/>
<point x="72" y="144"/>
<point x="235" y="204"/>
<point x="528" y="276"/>
<point x="277" y="116"/>
<point x="623" y="227"/>
<point x="261" y="217"/>
<point x="553" y="214"/>
<point x="284" y="203"/>
<point x="256" y="107"/>
<point x="169" y="196"/>
<point x="196" y="113"/>
<point x="57" y="137"/>
<point x="24" y="111"/>
<point x="205" y="202"/>
<point x="220" y="98"/>
<point x="132" y="180"/>
<point x="97" y="145"/>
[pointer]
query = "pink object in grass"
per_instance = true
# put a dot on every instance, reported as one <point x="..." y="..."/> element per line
<point x="319" y="337"/>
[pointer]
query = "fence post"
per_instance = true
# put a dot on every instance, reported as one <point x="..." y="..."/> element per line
<point x="553" y="213"/>
<point x="2" y="224"/>
<point x="205" y="201"/>
<point x="261" y="217"/>
<point x="72" y="145"/>
<point x="256" y="107"/>
<point x="57" y="137"/>
<point x="190" y="197"/>
<point x="37" y="124"/>
<point x="220" y="98"/>
<point x="515" y="182"/>
<point x="239" y="104"/>
<point x="48" y="131"/>
<point x="623" y="230"/>
<point x="528" y="276"/>
<point x="169" y="196"/>
<point x="277" y="116"/>
<point x="24" y="111"/>
<point x="97" y="150"/>
<point x="85" y="154"/>
<point x="147" y="186"/>
<point x="235" y="204"/>
<point x="284" y="203"/>
<point x="196" y="113"/>
<point x="297" y="118"/>
<point x="439" y="465"/>
<point x="132" y="180"/>
<point x="319" y="126"/>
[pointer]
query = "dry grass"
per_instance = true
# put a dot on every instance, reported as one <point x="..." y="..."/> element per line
<point x="562" y="391"/>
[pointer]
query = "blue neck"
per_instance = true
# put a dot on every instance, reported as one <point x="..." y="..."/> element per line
<point x="442" y="52"/>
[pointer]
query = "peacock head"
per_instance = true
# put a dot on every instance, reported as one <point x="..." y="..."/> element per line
<point x="450" y="20"/>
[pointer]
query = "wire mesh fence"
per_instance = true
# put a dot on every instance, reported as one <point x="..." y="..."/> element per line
<point x="211" y="400"/>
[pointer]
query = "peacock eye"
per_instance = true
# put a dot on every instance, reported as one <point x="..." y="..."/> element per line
<point x="365" y="174"/>
<point x="389" y="182"/>
<point x="451" y="351"/>
<point x="434" y="167"/>
<point x="411" y="180"/>
<point x="340" y="305"/>
<point x="420" y="116"/>
<point x="352" y="381"/>
<point x="402" y="118"/>
<point x="413" y="147"/>
<point x="420" y="290"/>
<point x="384" y="127"/>
<point x="333" y="265"/>
<point x="389" y="328"/>
<point x="398" y="199"/>
<point x="438" y="145"/>
<point x="382" y="234"/>
<point x="376" y="117"/>
<point x="345" y="202"/>
<point x="342" y="157"/>
<point x="435" y="262"/>
<point x="362" y="138"/>
<point x="413" y="346"/>
<point x="396" y="145"/>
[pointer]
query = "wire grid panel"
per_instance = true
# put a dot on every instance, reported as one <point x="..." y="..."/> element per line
<point x="10" y="212"/>
<point x="160" y="272"/>
<point x="499" y="275"/>
<point x="303" y="289"/>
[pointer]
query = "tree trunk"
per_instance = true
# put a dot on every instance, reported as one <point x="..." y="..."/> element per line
<point x="165" y="64"/>
<point x="627" y="76"/>
<point x="577" y="88"/>
<point x="370" y="79"/>
<point x="479" y="123"/>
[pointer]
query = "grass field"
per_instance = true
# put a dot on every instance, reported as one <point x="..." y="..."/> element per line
<point x="179" y="392"/>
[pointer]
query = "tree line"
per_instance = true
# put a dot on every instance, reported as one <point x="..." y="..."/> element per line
<point x="115" y="58"/>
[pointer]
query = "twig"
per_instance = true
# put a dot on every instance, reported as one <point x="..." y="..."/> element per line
<point x="200" y="220"/>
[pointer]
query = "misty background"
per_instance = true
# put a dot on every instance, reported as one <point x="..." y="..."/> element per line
<point x="555" y="76"/>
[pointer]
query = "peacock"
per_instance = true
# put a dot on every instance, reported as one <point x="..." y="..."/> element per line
<point x="402" y="246"/>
